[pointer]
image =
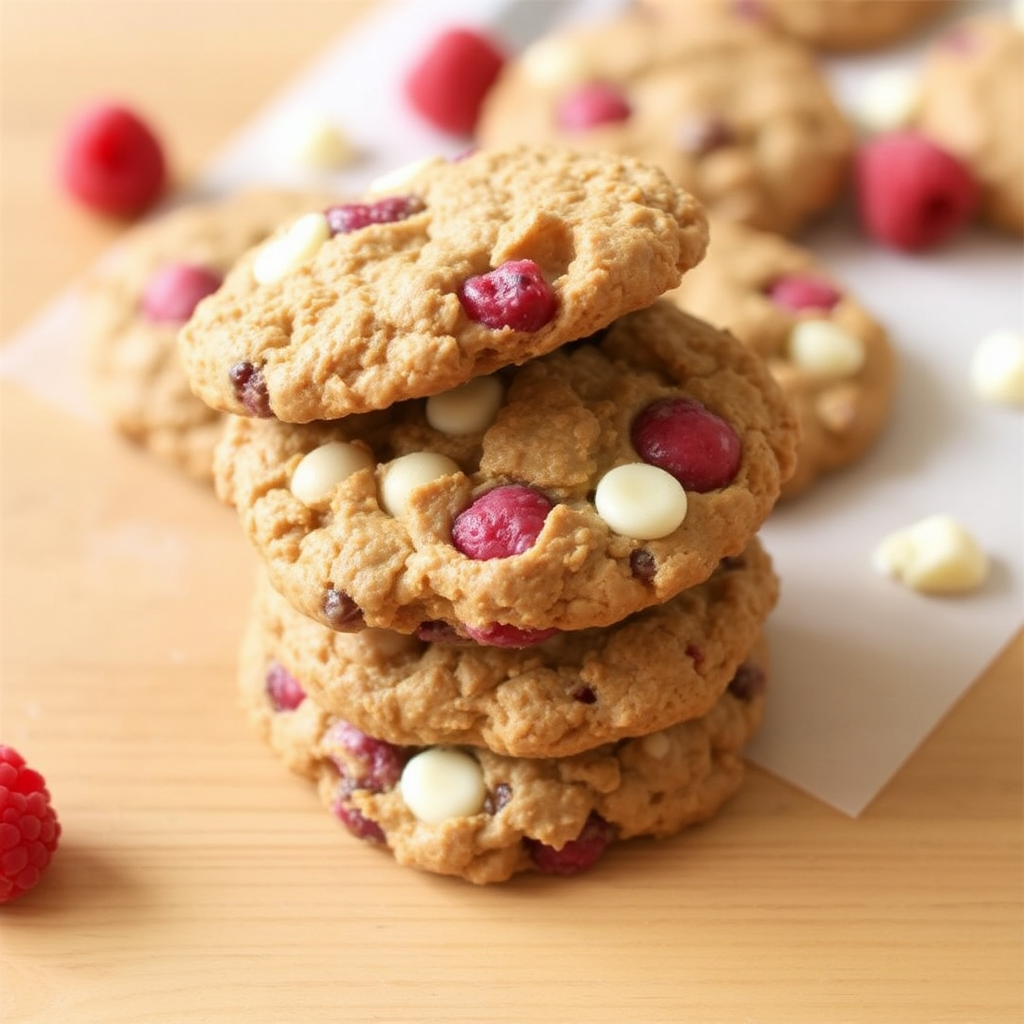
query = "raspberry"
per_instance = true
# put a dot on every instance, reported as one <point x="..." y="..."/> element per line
<point x="174" y="291"/>
<point x="347" y="217"/>
<point x="251" y="389"/>
<point x="357" y="823"/>
<point x="448" y="83"/>
<point x="112" y="161"/>
<point x="912" y="194"/>
<point x="503" y="522"/>
<point x="578" y="854"/>
<point x="680" y="436"/>
<point x="514" y="295"/>
<point x="800" y="291"/>
<point x="499" y="635"/>
<point x="381" y="763"/>
<point x="29" y="829"/>
<point x="591" y="105"/>
<point x="283" y="689"/>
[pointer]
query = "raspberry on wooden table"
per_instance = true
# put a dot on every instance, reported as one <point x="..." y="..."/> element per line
<point x="29" y="829"/>
<point x="112" y="161"/>
<point x="449" y="81"/>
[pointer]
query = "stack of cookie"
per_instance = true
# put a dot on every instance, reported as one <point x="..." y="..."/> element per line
<point x="505" y="498"/>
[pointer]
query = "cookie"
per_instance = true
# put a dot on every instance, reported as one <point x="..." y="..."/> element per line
<point x="136" y="302"/>
<point x="836" y="25"/>
<point x="971" y="102"/>
<point x="566" y="493"/>
<point x="483" y="816"/>
<point x="574" y="691"/>
<point x="767" y="145"/>
<point x="829" y="354"/>
<point x="453" y="270"/>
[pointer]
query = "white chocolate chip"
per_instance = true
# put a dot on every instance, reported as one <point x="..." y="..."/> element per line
<point x="325" y="467"/>
<point x="550" y="63"/>
<point x="299" y="244"/>
<point x="466" y="409"/>
<point x="656" y="745"/>
<point x="315" y="141"/>
<point x="821" y="348"/>
<point x="641" y="501"/>
<point x="935" y="555"/>
<point x="397" y="179"/>
<point x="997" y="368"/>
<point x="440" y="783"/>
<point x="887" y="100"/>
<point x="1018" y="14"/>
<point x="403" y="475"/>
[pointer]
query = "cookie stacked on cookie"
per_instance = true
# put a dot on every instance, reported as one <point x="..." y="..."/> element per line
<point x="505" y="498"/>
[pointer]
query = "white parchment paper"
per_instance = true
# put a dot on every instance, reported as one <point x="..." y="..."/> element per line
<point x="863" y="669"/>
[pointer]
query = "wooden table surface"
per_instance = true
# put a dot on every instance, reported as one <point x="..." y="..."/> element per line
<point x="197" y="881"/>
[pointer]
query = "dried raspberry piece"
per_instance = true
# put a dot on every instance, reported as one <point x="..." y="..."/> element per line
<point x="513" y="295"/>
<point x="590" y="105"/>
<point x="29" y="830"/>
<point x="348" y="217"/>
<point x="112" y="161"/>
<point x="685" y="439"/>
<point x="503" y="522"/>
<point x="251" y="389"/>
<point x="434" y="631"/>
<point x="642" y="565"/>
<point x="357" y="823"/>
<point x="498" y="634"/>
<point x="447" y="85"/>
<point x="498" y="798"/>
<point x="912" y="194"/>
<point x="748" y="681"/>
<point x="284" y="691"/>
<point x="585" y="695"/>
<point x="175" y="290"/>
<point x="702" y="135"/>
<point x="801" y="291"/>
<point x="578" y="854"/>
<point x="381" y="762"/>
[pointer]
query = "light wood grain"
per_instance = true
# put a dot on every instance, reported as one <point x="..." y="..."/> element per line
<point x="198" y="882"/>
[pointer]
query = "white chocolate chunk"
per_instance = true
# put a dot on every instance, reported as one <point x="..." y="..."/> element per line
<point x="396" y="180"/>
<point x="935" y="555"/>
<point x="316" y="142"/>
<point x="887" y="100"/>
<point x="440" y="783"/>
<point x="403" y="475"/>
<point x="322" y="469"/>
<point x="551" y="63"/>
<point x="1018" y="14"/>
<point x="299" y="244"/>
<point x="466" y="409"/>
<point x="997" y="368"/>
<point x="825" y="350"/>
<point x="656" y="745"/>
<point x="641" y="501"/>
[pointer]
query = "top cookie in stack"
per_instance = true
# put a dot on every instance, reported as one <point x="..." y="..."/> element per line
<point x="468" y="414"/>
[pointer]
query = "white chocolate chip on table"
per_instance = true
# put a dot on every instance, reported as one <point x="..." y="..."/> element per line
<point x="441" y="783"/>
<point x="316" y="142"/>
<point x="997" y="368"/>
<point x="936" y="555"/>
<point x="887" y="100"/>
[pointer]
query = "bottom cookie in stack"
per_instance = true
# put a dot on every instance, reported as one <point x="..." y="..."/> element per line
<point x="642" y="727"/>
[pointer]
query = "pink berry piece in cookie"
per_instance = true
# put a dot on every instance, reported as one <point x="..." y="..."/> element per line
<point x="592" y="104"/>
<point x="175" y="290"/>
<point x="112" y="161"/>
<point x="503" y="522"/>
<point x="284" y="691"/>
<point x="347" y="217"/>
<point x="499" y="635"/>
<point x="802" y="291"/>
<point x="513" y="295"/>
<point x="576" y="855"/>
<point x="689" y="441"/>
<point x="448" y="82"/>
<point x="913" y="194"/>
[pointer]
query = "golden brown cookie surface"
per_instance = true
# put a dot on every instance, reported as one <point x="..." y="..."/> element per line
<point x="458" y="268"/>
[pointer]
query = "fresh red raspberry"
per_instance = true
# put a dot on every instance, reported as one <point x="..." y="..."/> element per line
<point x="912" y="194"/>
<point x="513" y="295"/>
<point x="175" y="290"/>
<point x="284" y="691"/>
<point x="112" y="161"/>
<point x="448" y="83"/>
<point x="578" y="854"/>
<point x="590" y="105"/>
<point x="498" y="634"/>
<point x="347" y="217"/>
<point x="503" y="522"/>
<point x="29" y="829"/>
<point x="683" y="438"/>
<point x="801" y="291"/>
